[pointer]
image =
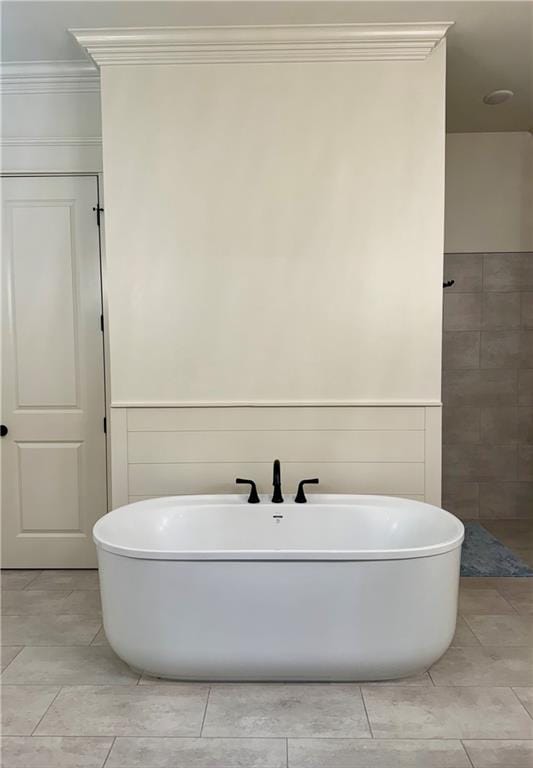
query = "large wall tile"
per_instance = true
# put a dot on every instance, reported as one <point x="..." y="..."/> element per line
<point x="525" y="425"/>
<point x="467" y="271"/>
<point x="480" y="462"/>
<point x="525" y="387"/>
<point x="500" y="349"/>
<point x="461" y="424"/>
<point x="527" y="271"/>
<point x="461" y="497"/>
<point x="502" y="385"/>
<point x="499" y="425"/>
<point x="489" y="387"/>
<point x="503" y="272"/>
<point x="526" y="349"/>
<point x="462" y="311"/>
<point x="526" y="300"/>
<point x="501" y="311"/>
<point x="525" y="462"/>
<point x="460" y="349"/>
<point x="505" y="499"/>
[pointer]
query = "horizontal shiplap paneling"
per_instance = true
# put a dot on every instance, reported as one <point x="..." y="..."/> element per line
<point x="342" y="477"/>
<point x="352" y="449"/>
<point x="287" y="445"/>
<point x="414" y="496"/>
<point x="274" y="418"/>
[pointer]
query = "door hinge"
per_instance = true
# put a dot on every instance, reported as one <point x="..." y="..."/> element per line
<point x="98" y="211"/>
<point x="105" y="425"/>
<point x="102" y="323"/>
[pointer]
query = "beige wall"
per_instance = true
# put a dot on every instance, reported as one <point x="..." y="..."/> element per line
<point x="275" y="231"/>
<point x="489" y="192"/>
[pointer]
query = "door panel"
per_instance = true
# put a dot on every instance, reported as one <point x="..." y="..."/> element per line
<point x="54" y="455"/>
<point x="44" y="302"/>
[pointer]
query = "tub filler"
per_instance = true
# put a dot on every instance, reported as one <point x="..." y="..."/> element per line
<point x="341" y="588"/>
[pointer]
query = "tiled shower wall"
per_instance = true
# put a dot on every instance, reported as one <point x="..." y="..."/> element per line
<point x="488" y="385"/>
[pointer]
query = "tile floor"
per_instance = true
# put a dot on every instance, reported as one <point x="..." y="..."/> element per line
<point x="69" y="702"/>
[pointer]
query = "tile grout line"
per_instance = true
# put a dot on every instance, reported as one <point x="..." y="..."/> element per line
<point x="520" y="702"/>
<point x="205" y="711"/>
<point x="366" y="712"/>
<point x="46" y="710"/>
<point x="30" y="582"/>
<point x="13" y="659"/>
<point x="465" y="750"/>
<point x="109" y="751"/>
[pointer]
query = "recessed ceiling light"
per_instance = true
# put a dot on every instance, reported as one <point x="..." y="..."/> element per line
<point x="498" y="97"/>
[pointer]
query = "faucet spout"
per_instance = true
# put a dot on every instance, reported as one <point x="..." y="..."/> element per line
<point x="277" y="498"/>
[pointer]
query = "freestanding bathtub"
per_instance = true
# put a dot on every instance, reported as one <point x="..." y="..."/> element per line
<point x="341" y="588"/>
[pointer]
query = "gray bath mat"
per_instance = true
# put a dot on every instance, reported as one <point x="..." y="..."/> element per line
<point x="483" y="555"/>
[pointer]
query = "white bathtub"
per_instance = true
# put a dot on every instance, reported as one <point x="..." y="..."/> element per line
<point x="341" y="588"/>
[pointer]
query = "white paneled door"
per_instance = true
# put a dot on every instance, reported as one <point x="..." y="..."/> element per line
<point x="54" y="452"/>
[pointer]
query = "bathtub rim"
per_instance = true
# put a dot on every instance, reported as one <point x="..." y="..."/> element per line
<point x="270" y="555"/>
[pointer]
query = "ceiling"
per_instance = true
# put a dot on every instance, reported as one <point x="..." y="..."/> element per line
<point x="490" y="45"/>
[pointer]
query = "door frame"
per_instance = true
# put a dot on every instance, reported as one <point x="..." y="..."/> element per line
<point x="98" y="175"/>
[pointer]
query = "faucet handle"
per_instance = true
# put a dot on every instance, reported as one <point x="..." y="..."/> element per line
<point x="253" y="498"/>
<point x="300" y="496"/>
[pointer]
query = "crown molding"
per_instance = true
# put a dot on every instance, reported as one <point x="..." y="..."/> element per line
<point x="21" y="77"/>
<point x="294" y="43"/>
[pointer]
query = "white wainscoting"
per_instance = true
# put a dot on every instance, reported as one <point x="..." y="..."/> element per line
<point x="353" y="449"/>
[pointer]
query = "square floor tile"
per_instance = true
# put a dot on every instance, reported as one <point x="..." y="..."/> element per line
<point x="500" y="583"/>
<point x="71" y="579"/>
<point x="21" y="602"/>
<point x="446" y="713"/>
<point x="23" y="706"/>
<point x="500" y="754"/>
<point x="502" y="630"/>
<point x="17" y="579"/>
<point x="54" y="752"/>
<point x="422" y="678"/>
<point x="80" y="665"/>
<point x="197" y="753"/>
<point x="7" y="654"/>
<point x="502" y="666"/>
<point x="126" y="711"/>
<point x="479" y="601"/>
<point x="522" y="602"/>
<point x="463" y="635"/>
<point x="286" y="710"/>
<point x="525" y="694"/>
<point x="100" y="638"/>
<point x="83" y="601"/>
<point x="376" y="753"/>
<point x="57" y="629"/>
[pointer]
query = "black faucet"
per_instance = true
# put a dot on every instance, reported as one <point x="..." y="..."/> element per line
<point x="300" y="496"/>
<point x="277" y="498"/>
<point x="253" y="498"/>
